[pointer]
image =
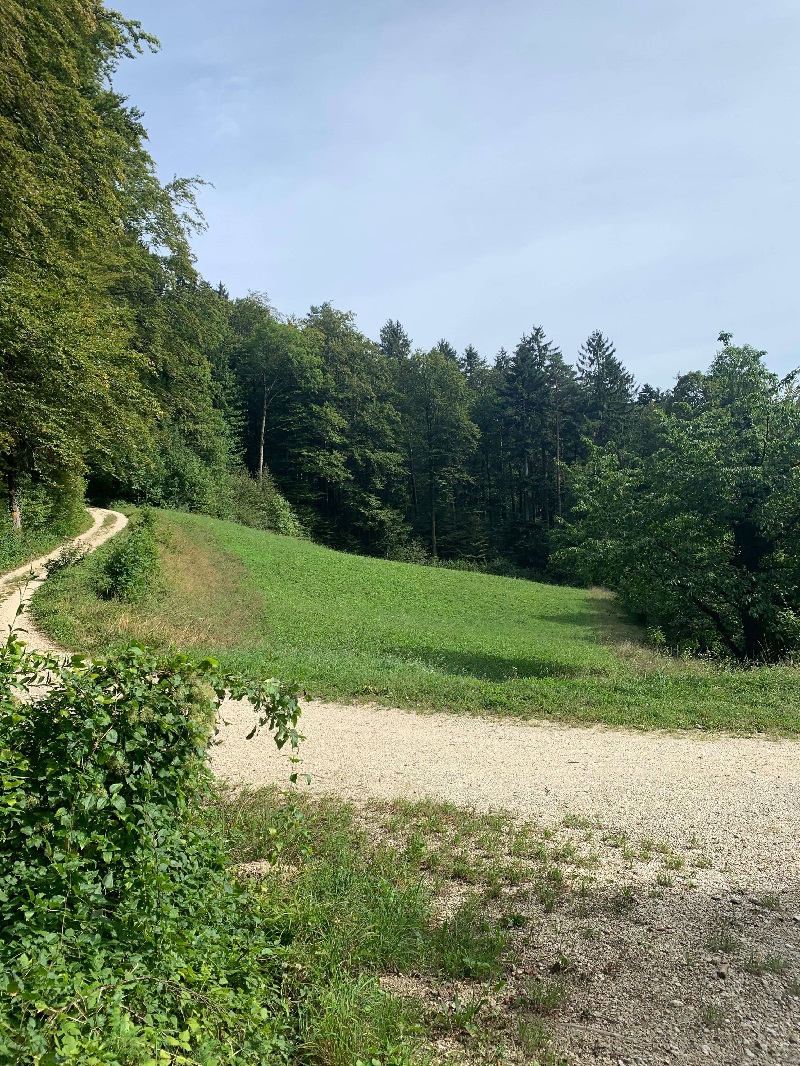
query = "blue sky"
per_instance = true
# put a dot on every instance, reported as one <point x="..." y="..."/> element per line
<point x="473" y="169"/>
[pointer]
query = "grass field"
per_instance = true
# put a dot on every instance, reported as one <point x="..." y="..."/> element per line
<point x="352" y="628"/>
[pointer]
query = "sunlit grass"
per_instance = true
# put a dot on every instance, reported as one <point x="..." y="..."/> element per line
<point x="353" y="628"/>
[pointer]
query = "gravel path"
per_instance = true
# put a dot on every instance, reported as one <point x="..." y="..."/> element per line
<point x="19" y="585"/>
<point x="739" y="795"/>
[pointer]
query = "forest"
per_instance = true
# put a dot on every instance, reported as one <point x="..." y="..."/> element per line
<point x="126" y="375"/>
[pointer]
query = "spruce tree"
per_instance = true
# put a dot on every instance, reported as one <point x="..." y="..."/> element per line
<point x="608" y="389"/>
<point x="395" y="343"/>
<point x="473" y="367"/>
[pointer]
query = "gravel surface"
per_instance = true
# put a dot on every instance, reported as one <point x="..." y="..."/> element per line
<point x="649" y="983"/>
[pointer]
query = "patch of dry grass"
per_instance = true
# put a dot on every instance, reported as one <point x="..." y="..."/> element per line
<point x="203" y="602"/>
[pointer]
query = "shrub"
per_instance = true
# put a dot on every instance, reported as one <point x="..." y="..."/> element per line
<point x="123" y="939"/>
<point x="261" y="505"/>
<point x="130" y="568"/>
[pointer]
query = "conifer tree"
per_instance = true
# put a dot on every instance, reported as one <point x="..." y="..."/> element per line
<point x="394" y="341"/>
<point x="445" y="348"/>
<point x="473" y="367"/>
<point x="608" y="389"/>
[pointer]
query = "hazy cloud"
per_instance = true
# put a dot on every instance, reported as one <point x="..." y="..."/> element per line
<point x="472" y="169"/>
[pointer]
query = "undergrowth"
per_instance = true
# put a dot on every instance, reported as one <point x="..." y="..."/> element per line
<point x="123" y="937"/>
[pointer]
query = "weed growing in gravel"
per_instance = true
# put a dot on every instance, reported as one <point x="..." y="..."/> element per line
<point x="543" y="995"/>
<point x="622" y="901"/>
<point x="770" y="901"/>
<point x="460" y="1013"/>
<point x="536" y="1043"/>
<point x="758" y="964"/>
<point x="724" y="940"/>
<point x="711" y="1016"/>
<point x="576" y="821"/>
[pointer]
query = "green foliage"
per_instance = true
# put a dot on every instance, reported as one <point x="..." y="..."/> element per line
<point x="123" y="938"/>
<point x="261" y="505"/>
<point x="468" y="944"/>
<point x="130" y="567"/>
<point x="608" y="390"/>
<point x="700" y="535"/>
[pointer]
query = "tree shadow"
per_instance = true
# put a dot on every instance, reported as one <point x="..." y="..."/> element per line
<point x="487" y="667"/>
<point x="586" y="618"/>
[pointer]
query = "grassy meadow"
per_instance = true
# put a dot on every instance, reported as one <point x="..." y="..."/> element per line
<point x="352" y="628"/>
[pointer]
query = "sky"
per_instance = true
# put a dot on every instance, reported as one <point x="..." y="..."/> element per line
<point x="475" y="169"/>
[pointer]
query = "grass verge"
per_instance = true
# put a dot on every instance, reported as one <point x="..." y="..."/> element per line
<point x="16" y="549"/>
<point x="420" y="932"/>
<point x="357" y="629"/>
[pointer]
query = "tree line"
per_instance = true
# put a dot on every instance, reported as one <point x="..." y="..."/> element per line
<point x="121" y="368"/>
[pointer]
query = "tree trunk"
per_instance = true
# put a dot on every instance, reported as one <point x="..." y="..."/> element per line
<point x="754" y="637"/>
<point x="558" y="461"/>
<point x="432" y="501"/>
<point x="261" y="437"/>
<point x="526" y="514"/>
<point x="434" y="547"/>
<point x="13" y="501"/>
<point x="414" y="492"/>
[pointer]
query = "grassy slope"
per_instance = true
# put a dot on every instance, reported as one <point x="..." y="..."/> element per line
<point x="354" y="628"/>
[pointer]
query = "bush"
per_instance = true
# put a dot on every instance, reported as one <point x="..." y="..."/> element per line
<point x="261" y="506"/>
<point x="123" y="939"/>
<point x="130" y="569"/>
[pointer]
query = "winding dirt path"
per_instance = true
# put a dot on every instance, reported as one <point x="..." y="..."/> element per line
<point x="17" y="587"/>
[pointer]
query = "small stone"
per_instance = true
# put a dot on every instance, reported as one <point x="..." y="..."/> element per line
<point x="705" y="1049"/>
<point x="735" y="901"/>
<point x="677" y="1002"/>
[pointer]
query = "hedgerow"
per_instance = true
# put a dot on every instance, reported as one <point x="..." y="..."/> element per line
<point x="123" y="937"/>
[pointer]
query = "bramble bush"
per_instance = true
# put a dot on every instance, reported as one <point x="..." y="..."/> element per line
<point x="130" y="567"/>
<point x="123" y="937"/>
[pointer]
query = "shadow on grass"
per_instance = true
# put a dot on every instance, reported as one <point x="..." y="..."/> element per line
<point x="486" y="667"/>
<point x="589" y="619"/>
